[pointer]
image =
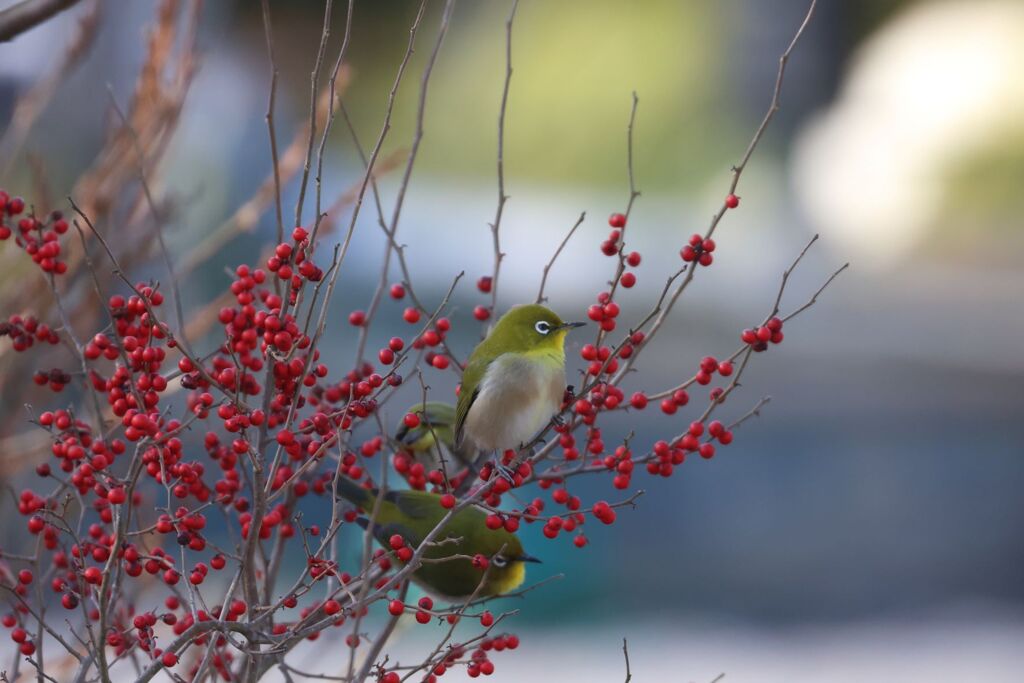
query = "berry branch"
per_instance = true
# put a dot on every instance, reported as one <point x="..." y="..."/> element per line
<point x="225" y="468"/>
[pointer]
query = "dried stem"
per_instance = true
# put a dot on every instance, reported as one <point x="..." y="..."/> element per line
<point x="268" y="31"/>
<point x="547" y="268"/>
<point x="28" y="14"/>
<point x="502" y="197"/>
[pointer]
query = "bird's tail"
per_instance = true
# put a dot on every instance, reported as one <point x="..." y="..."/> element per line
<point x="354" y="493"/>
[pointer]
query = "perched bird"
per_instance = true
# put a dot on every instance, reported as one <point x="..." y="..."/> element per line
<point x="433" y="439"/>
<point x="414" y="514"/>
<point x="514" y="380"/>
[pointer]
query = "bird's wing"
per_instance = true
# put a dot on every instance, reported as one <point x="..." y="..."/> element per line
<point x="471" y="377"/>
<point x="483" y="355"/>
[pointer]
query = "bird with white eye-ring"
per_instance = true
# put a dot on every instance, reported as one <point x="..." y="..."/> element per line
<point x="514" y="381"/>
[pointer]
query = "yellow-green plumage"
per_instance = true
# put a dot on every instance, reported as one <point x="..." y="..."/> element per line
<point x="514" y="380"/>
<point x="414" y="514"/>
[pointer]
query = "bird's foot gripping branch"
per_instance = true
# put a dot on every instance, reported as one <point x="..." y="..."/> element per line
<point x="184" y="459"/>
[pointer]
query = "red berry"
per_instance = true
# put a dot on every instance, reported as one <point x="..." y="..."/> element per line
<point x="169" y="659"/>
<point x="411" y="315"/>
<point x="357" y="318"/>
<point x="485" y="283"/>
<point x="617" y="220"/>
<point x="396" y="607"/>
<point x="411" y="420"/>
<point x="481" y="313"/>
<point x="486" y="619"/>
<point x="732" y="201"/>
<point x="397" y="291"/>
<point x="638" y="400"/>
<point x="628" y="280"/>
<point x="448" y="501"/>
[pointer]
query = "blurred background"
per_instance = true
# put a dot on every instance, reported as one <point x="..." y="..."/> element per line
<point x="870" y="524"/>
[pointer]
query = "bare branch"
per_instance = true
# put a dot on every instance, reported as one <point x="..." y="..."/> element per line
<point x="547" y="268"/>
<point x="314" y="88"/>
<point x="28" y="14"/>
<point x="270" y="119"/>
<point x="502" y="197"/>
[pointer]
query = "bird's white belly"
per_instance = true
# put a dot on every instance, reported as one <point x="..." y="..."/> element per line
<point x="517" y="398"/>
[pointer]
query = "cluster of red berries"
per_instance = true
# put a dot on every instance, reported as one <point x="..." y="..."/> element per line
<point x="55" y="378"/>
<point x="39" y="239"/>
<point x="478" y="663"/>
<point x="699" y="249"/>
<point x="759" y="338"/>
<point x="291" y="263"/>
<point x="612" y="245"/>
<point x="26" y="331"/>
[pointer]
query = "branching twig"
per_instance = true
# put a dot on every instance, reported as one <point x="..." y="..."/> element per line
<point x="502" y="197"/>
<point x="554" y="257"/>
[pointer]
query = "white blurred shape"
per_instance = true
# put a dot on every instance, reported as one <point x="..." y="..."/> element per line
<point x="940" y="80"/>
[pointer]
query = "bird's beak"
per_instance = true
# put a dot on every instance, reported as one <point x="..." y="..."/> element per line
<point x="565" y="326"/>
<point x="527" y="558"/>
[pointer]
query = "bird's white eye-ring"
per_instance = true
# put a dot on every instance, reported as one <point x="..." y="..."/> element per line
<point x="499" y="561"/>
<point x="542" y="326"/>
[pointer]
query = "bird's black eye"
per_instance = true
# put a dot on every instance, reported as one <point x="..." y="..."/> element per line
<point x="542" y="326"/>
<point x="499" y="561"/>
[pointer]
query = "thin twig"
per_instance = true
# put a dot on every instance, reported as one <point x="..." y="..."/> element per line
<point x="737" y="172"/>
<point x="270" y="119"/>
<point x="502" y="197"/>
<point x="314" y="88"/>
<point x="28" y="14"/>
<point x="158" y="220"/>
<point x="554" y="257"/>
<point x="392" y="229"/>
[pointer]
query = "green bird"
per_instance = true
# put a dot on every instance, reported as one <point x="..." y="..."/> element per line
<point x="414" y="514"/>
<point x="514" y="380"/>
<point x="433" y="439"/>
